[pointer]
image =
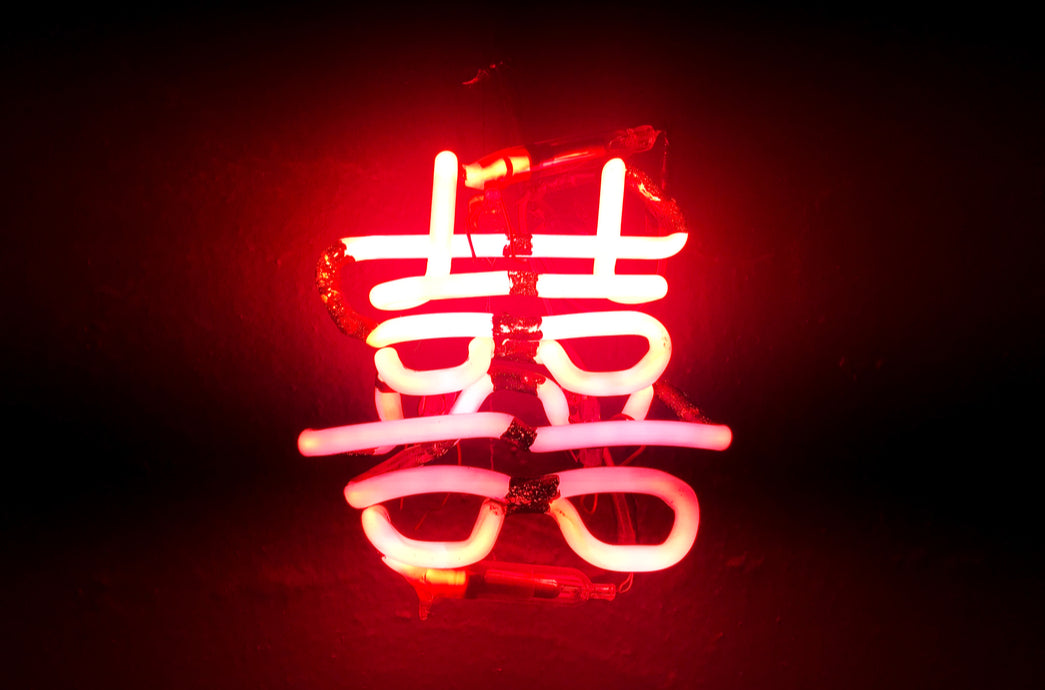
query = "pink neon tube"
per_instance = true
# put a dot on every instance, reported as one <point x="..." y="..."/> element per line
<point x="603" y="324"/>
<point x="494" y="486"/>
<point x="377" y="525"/>
<point x="636" y="558"/>
<point x="357" y="437"/>
<point x="407" y="293"/>
<point x="434" y="381"/>
<point x="461" y="479"/>
<point x="556" y="408"/>
<point x="389" y="405"/>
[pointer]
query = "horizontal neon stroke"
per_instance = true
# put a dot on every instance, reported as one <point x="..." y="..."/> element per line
<point x="489" y="246"/>
<point x="406" y="293"/>
<point x="359" y="437"/>
<point x="389" y="404"/>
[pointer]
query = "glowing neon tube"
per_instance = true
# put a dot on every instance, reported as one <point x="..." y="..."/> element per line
<point x="553" y="400"/>
<point x="549" y="352"/>
<point x="637" y="405"/>
<point x="382" y="534"/>
<point x="460" y="479"/>
<point x="355" y="437"/>
<point x="435" y="381"/>
<point x="636" y="558"/>
<point x="442" y="246"/>
<point x="648" y="432"/>
<point x="407" y="293"/>
<point x="404" y="329"/>
<point x="611" y="206"/>
<point x="491" y="245"/>
<point x="441" y="224"/>
<point x="389" y="405"/>
<point x="437" y="283"/>
<point x="438" y="247"/>
<point x="501" y="582"/>
<point x="519" y="162"/>
<point x="454" y="427"/>
<point x="513" y="162"/>
<point x="495" y="488"/>
<point x="477" y="325"/>
<point x="600" y="324"/>
<point x="472" y="396"/>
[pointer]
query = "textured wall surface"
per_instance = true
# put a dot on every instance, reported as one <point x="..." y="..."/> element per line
<point x="860" y="300"/>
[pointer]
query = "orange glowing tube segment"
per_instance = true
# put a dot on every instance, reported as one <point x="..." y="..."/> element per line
<point x="515" y="582"/>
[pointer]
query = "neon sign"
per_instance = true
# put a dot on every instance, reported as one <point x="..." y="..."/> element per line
<point x="521" y="352"/>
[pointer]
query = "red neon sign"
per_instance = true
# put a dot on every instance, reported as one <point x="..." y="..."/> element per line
<point x="441" y="569"/>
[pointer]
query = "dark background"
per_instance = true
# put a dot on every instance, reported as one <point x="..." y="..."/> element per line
<point x="860" y="300"/>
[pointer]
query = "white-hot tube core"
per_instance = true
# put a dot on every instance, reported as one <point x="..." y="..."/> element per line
<point x="441" y="223"/>
<point x="488" y="246"/>
<point x="611" y="206"/>
<point x="405" y="293"/>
